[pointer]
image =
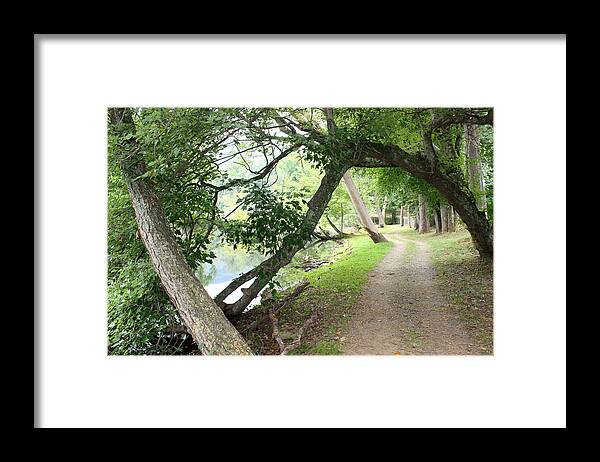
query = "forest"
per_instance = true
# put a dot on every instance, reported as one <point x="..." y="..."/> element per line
<point x="300" y="231"/>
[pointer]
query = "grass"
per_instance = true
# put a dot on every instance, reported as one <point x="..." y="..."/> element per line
<point x="415" y="337"/>
<point x="465" y="280"/>
<point x="333" y="289"/>
<point x="349" y="273"/>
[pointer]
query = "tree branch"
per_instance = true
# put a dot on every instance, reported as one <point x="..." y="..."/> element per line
<point x="263" y="172"/>
<point x="283" y="348"/>
<point x="280" y="304"/>
<point x="268" y="268"/>
<point x="463" y="117"/>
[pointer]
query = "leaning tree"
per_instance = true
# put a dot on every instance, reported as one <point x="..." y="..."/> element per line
<point x="171" y="160"/>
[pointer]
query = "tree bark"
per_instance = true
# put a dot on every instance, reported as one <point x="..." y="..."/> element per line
<point x="424" y="165"/>
<point x="437" y="219"/>
<point x="461" y="199"/>
<point x="444" y="218"/>
<point x="423" y="220"/>
<point x="357" y="202"/>
<point x="401" y="215"/>
<point x="268" y="268"/>
<point x="207" y="324"/>
<point x="474" y="168"/>
<point x="380" y="217"/>
<point x="361" y="210"/>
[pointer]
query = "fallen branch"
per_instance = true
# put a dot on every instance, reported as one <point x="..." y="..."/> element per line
<point x="324" y="231"/>
<point x="278" y="305"/>
<point x="319" y="239"/>
<point x="269" y="267"/>
<point x="335" y="228"/>
<point x="311" y="263"/>
<point x="328" y="237"/>
<point x="276" y="334"/>
<point x="283" y="348"/>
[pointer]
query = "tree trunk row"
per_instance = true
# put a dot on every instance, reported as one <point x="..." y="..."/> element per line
<point x="451" y="189"/>
<point x="423" y="216"/>
<point x="443" y="217"/>
<point x="474" y="167"/>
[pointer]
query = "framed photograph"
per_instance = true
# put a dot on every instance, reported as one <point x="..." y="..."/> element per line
<point x="349" y="238"/>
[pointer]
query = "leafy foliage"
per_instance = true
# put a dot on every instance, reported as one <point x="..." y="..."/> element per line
<point x="243" y="176"/>
<point x="138" y="308"/>
<point x="191" y="156"/>
<point x="273" y="221"/>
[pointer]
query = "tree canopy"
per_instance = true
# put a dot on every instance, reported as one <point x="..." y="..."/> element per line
<point x="264" y="179"/>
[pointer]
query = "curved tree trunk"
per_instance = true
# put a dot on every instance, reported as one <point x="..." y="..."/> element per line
<point x="205" y="321"/>
<point x="269" y="268"/>
<point x="462" y="200"/>
<point x="475" y="220"/>
<point x="425" y="165"/>
<point x="357" y="202"/>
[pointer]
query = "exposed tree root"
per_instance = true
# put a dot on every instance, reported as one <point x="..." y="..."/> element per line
<point x="278" y="305"/>
<point x="309" y="264"/>
<point x="328" y="237"/>
<point x="283" y="348"/>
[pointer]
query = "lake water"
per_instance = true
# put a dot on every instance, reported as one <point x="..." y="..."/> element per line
<point x="229" y="264"/>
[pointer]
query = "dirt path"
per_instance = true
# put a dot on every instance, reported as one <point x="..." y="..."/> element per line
<point x="401" y="310"/>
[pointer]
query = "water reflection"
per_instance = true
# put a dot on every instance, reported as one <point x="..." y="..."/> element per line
<point x="227" y="265"/>
<point x="230" y="263"/>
